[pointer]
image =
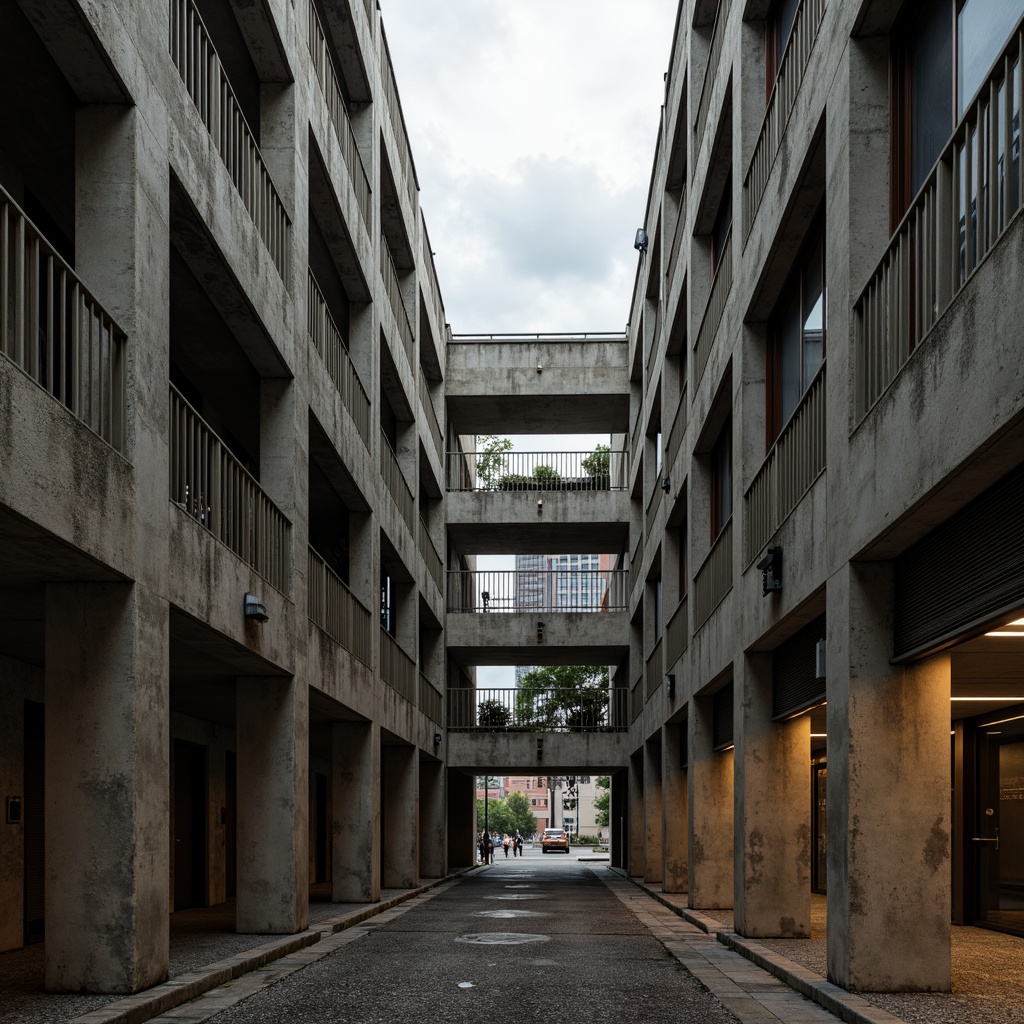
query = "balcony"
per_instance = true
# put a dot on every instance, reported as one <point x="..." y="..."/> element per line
<point x="389" y="275"/>
<point x="720" y="288"/>
<point x="53" y="329"/>
<point x="636" y="698"/>
<point x="593" y="709"/>
<point x="399" y="490"/>
<point x="330" y="346"/>
<point x="328" y="79"/>
<point x="209" y="484"/>
<point x="653" y="505"/>
<point x="431" y="702"/>
<point x="714" y="578"/>
<point x="677" y="636"/>
<point x="201" y="71"/>
<point x="535" y="471"/>
<point x="675" y="436"/>
<point x="394" y="108"/>
<point x="432" y="560"/>
<point x="337" y="611"/>
<point x="795" y="461"/>
<point x="636" y="562"/>
<point x="397" y="669"/>
<point x="780" y="106"/>
<point x="538" y="590"/>
<point x="963" y="208"/>
<point x="428" y="408"/>
<point x="654" y="672"/>
<point x="714" y="59"/>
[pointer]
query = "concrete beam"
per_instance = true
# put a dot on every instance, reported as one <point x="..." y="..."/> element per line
<point x="538" y="753"/>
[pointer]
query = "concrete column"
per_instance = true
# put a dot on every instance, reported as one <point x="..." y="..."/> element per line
<point x="355" y="832"/>
<point x="433" y="848"/>
<point x="889" y="895"/>
<point x="272" y="894"/>
<point x="675" y="854"/>
<point x="400" y="811"/>
<point x="635" y="828"/>
<point x="619" y="818"/>
<point x="462" y="824"/>
<point x="710" y="807"/>
<point x="653" y="820"/>
<point x="107" y="785"/>
<point x="773" y="811"/>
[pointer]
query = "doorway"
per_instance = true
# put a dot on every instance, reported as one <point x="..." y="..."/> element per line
<point x="189" y="825"/>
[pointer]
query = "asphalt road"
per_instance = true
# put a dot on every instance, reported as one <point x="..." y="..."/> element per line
<point x="534" y="938"/>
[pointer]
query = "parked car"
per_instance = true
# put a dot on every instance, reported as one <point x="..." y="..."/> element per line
<point x="554" y="839"/>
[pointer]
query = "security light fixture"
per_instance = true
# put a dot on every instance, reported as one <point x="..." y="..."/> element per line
<point x="540" y="505"/>
<point x="670" y="684"/>
<point x="819" y="660"/>
<point x="540" y="632"/>
<point x="255" y="609"/>
<point x="771" y="571"/>
<point x="437" y="739"/>
<point x="666" y="484"/>
<point x="640" y="242"/>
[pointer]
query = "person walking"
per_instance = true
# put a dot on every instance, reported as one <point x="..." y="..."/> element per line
<point x="505" y="843"/>
<point x="519" y="844"/>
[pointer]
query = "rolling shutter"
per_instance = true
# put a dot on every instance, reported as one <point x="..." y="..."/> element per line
<point x="794" y="686"/>
<point x="721" y="718"/>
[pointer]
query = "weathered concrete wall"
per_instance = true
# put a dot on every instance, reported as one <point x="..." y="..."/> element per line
<point x="552" y="752"/>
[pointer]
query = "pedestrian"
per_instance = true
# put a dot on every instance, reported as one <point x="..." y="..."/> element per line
<point x="519" y="843"/>
<point x="484" y="844"/>
<point x="505" y="844"/>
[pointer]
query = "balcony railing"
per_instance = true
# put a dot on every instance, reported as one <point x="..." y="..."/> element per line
<point x="389" y="275"/>
<point x="654" y="671"/>
<point x="431" y="703"/>
<point x="432" y="560"/>
<point x="780" y="106"/>
<point x="535" y="471"/>
<point x="208" y="483"/>
<point x="714" y="578"/>
<point x="636" y="698"/>
<point x="795" y="461"/>
<point x="399" y="490"/>
<point x="714" y="58"/>
<point x="677" y="635"/>
<point x="330" y="346"/>
<point x="960" y="212"/>
<point x="675" y="436"/>
<point x="394" y="106"/>
<point x="590" y="709"/>
<point x="337" y="611"/>
<point x="720" y="288"/>
<point x="328" y="79"/>
<point x="538" y="590"/>
<point x="397" y="669"/>
<point x="431" y="415"/>
<point x="53" y="329"/>
<point x="204" y="77"/>
<point x="636" y="561"/>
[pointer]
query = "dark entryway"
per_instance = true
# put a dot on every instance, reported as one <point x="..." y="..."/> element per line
<point x="33" y="818"/>
<point x="190" y="802"/>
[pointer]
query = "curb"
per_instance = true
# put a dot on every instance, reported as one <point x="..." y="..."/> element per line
<point x="152" y="1002"/>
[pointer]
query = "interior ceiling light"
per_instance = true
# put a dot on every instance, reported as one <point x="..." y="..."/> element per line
<point x="1007" y="700"/>
<point x="1006" y="631"/>
<point x="1003" y="721"/>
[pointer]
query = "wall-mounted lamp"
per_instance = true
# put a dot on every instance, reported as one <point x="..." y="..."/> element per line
<point x="640" y="242"/>
<point x="540" y="505"/>
<point x="670" y="685"/>
<point x="771" y="571"/>
<point x="255" y="609"/>
<point x="819" y="660"/>
<point x="540" y="368"/>
<point x="666" y="484"/>
<point x="437" y="739"/>
<point x="540" y="632"/>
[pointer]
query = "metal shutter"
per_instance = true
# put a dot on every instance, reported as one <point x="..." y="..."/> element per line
<point x="794" y="686"/>
<point x="721" y="718"/>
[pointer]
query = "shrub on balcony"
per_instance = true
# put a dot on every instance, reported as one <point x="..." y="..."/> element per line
<point x="492" y="714"/>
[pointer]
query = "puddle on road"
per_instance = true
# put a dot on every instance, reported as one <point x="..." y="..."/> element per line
<point x="466" y="984"/>
<point x="518" y="896"/>
<point x="508" y="914"/>
<point x="501" y="939"/>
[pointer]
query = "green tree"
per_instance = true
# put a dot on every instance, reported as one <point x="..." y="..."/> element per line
<point x="499" y="818"/>
<point x="519" y="808"/>
<point x="563" y="697"/>
<point x="491" y="463"/>
<point x="492" y="714"/>
<point x="598" y="462"/>
<point x="603" y="800"/>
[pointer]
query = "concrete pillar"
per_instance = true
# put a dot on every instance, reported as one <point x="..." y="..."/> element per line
<point x="355" y="835"/>
<point x="675" y="853"/>
<point x="653" y="822"/>
<point x="889" y="897"/>
<point x="635" y="829"/>
<point x="107" y="785"/>
<point x="773" y="811"/>
<point x="433" y="848"/>
<point x="619" y="818"/>
<point x="272" y="894"/>
<point x="400" y="812"/>
<point x="462" y="823"/>
<point x="710" y="807"/>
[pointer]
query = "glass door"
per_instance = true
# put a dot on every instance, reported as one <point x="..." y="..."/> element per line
<point x="999" y="825"/>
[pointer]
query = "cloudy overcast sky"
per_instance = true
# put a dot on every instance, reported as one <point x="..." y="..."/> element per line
<point x="533" y="125"/>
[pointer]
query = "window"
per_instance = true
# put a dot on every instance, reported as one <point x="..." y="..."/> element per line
<point x="721" y="481"/>
<point x="797" y="334"/>
<point x="779" y="29"/>
<point x="722" y="226"/>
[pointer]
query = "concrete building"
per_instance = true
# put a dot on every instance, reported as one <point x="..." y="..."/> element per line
<point x="240" y="507"/>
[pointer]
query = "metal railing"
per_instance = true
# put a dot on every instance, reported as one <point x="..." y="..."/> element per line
<point x="677" y="635"/>
<point x="328" y="79"/>
<point x="675" y="435"/>
<point x="431" y="703"/>
<point x="330" y="346"/>
<point x="780" y="105"/>
<point x="636" y="699"/>
<point x="654" y="671"/>
<point x="961" y="210"/>
<point x="208" y="483"/>
<point x="337" y="611"/>
<point x="53" y="329"/>
<point x="720" y="288"/>
<point x="714" y="58"/>
<point x="537" y="590"/>
<point x="397" y="119"/>
<point x="432" y="560"/>
<point x="208" y="85"/>
<point x="586" y="709"/>
<point x="636" y="561"/>
<point x="399" y="490"/>
<point x="795" y="461"/>
<point x="534" y="471"/>
<point x="431" y="416"/>
<point x="714" y="578"/>
<point x="389" y="275"/>
<point x="397" y="669"/>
